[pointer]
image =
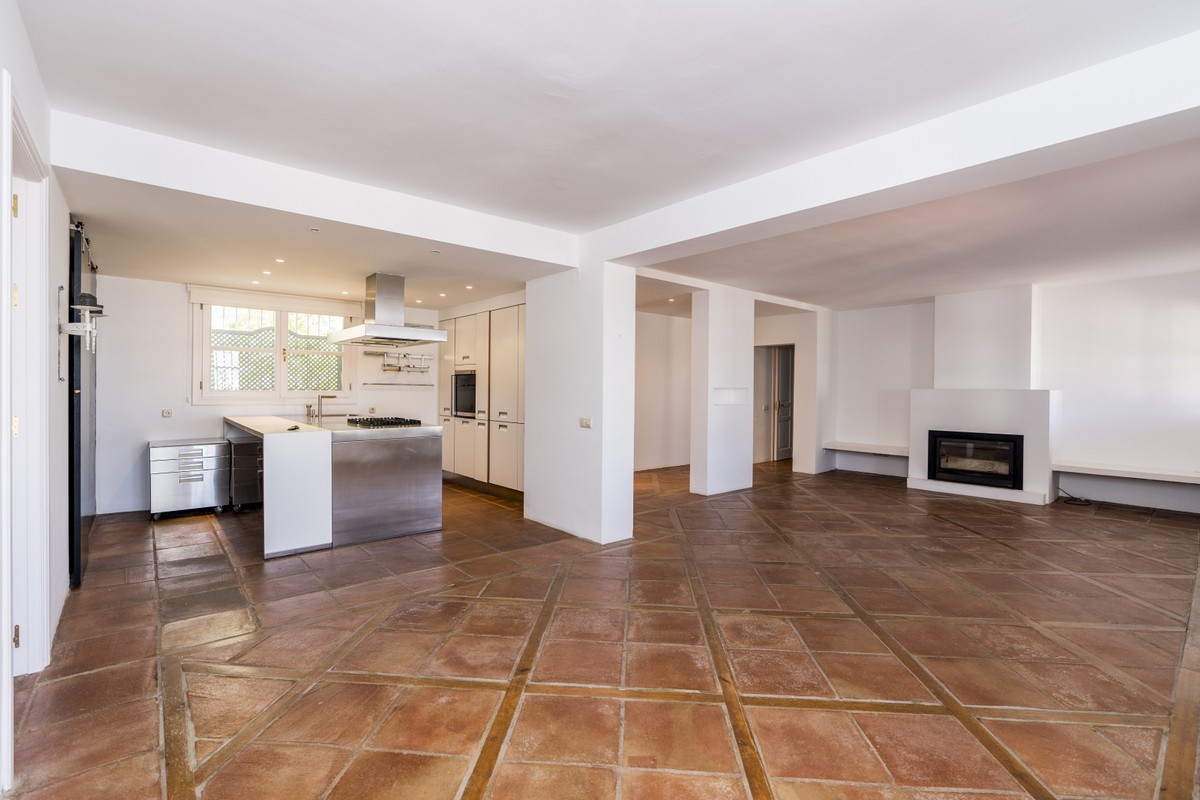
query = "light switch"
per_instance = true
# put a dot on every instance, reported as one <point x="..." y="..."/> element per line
<point x="585" y="422"/>
<point x="167" y="413"/>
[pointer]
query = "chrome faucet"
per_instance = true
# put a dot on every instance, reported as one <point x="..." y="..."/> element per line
<point x="321" y="398"/>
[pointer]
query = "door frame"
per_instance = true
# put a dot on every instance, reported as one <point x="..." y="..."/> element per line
<point x="24" y="394"/>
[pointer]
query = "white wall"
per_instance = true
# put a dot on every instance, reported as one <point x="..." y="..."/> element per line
<point x="722" y="396"/>
<point x="662" y="386"/>
<point x="880" y="354"/>
<point x="579" y="363"/>
<point x="1126" y="356"/>
<point x="985" y="339"/>
<point x="144" y="353"/>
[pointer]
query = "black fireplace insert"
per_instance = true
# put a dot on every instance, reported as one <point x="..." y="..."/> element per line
<point x="984" y="459"/>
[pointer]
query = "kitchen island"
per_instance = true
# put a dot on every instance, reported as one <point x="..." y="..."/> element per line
<point x="329" y="482"/>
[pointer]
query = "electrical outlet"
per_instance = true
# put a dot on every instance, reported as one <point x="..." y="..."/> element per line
<point x="585" y="422"/>
<point x="167" y="413"/>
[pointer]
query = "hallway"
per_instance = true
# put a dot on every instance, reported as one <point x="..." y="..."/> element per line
<point x="819" y="637"/>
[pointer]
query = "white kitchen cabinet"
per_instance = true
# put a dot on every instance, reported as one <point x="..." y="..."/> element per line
<point x="504" y="367"/>
<point x="467" y="338"/>
<point x="521" y="367"/>
<point x="521" y="456"/>
<point x="464" y="447"/>
<point x="445" y="370"/>
<point x="448" y="428"/>
<point x="504" y="457"/>
<point x="481" y="450"/>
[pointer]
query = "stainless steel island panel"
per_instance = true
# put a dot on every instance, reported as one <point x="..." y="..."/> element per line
<point x="385" y="487"/>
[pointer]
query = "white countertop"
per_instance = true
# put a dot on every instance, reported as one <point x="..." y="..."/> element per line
<point x="261" y="426"/>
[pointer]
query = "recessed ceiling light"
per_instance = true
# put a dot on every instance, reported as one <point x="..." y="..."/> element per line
<point x="470" y="287"/>
<point x="442" y="294"/>
<point x="266" y="272"/>
<point x="345" y="293"/>
<point x="420" y="301"/>
<point x="279" y="261"/>
<point x="255" y="282"/>
<point x="672" y="300"/>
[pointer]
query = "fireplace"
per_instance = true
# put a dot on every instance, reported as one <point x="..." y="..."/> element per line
<point x="984" y="459"/>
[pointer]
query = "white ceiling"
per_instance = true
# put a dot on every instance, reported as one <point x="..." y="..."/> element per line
<point x="579" y="115"/>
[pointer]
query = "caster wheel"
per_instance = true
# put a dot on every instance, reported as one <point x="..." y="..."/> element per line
<point x="237" y="506"/>
<point x="155" y="517"/>
<point x="218" y="509"/>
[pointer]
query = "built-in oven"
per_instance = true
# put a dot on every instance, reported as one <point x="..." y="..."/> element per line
<point x="464" y="394"/>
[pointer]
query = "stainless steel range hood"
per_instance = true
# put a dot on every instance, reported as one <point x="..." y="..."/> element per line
<point x="383" y="318"/>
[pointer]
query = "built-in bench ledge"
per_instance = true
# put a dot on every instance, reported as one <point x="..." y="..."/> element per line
<point x="873" y="449"/>
<point x="1119" y="471"/>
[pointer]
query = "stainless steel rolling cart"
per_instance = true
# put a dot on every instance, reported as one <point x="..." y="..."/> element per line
<point x="188" y="473"/>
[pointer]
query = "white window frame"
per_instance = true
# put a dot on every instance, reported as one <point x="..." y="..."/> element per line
<point x="202" y="297"/>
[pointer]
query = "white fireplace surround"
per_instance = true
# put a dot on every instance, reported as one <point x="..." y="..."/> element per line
<point x="1032" y="413"/>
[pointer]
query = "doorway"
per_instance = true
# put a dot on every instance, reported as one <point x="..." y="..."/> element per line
<point x="774" y="401"/>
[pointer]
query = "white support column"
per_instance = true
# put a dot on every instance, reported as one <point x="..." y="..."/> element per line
<point x="722" y="391"/>
<point x="579" y="374"/>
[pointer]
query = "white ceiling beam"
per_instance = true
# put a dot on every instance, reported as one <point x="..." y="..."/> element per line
<point x="1145" y="99"/>
<point x="102" y="148"/>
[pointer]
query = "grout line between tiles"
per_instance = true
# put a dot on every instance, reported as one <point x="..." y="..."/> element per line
<point x="1179" y="772"/>
<point x="489" y="754"/>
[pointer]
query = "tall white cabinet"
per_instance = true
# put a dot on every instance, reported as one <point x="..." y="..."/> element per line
<point x="491" y="447"/>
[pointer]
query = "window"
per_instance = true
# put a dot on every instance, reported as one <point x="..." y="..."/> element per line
<point x="261" y="354"/>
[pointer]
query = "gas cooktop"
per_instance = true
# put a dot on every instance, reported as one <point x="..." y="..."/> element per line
<point x="383" y="422"/>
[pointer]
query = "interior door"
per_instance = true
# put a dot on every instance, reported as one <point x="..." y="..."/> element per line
<point x="785" y="368"/>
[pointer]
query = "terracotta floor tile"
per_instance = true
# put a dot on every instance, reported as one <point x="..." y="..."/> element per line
<point x="813" y="790"/>
<point x="333" y="713"/>
<point x="566" y="730"/>
<point x="391" y="652"/>
<point x="276" y="770"/>
<point x="1082" y="686"/>
<point x="104" y="650"/>
<point x="1018" y="642"/>
<point x="860" y="676"/>
<point x="507" y="619"/>
<point x="840" y="635"/>
<point x="431" y="720"/>
<point x="195" y="605"/>
<point x="294" y="609"/>
<point x="136" y="778"/>
<point x="807" y="598"/>
<point x="734" y="595"/>
<point x="86" y="625"/>
<point x="400" y="776"/>
<point x="751" y="632"/>
<point x="68" y="748"/>
<point x="821" y="745"/>
<point x="469" y="656"/>
<point x="552" y="782"/>
<point x="206" y="628"/>
<point x="1076" y="761"/>
<point x="678" y="736"/>
<point x="519" y="586"/>
<point x="777" y="672"/>
<point x="988" y="682"/>
<point x="191" y="584"/>
<point x="425" y="615"/>
<point x="1123" y="648"/>
<point x="922" y="750"/>
<point x="665" y="593"/>
<point x="931" y="638"/>
<point x="639" y="785"/>
<point x="589" y="663"/>
<point x="593" y="624"/>
<point x="665" y="627"/>
<point x="59" y="700"/>
<point x="220" y="705"/>
<point x="655" y="666"/>
<point x="594" y="590"/>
